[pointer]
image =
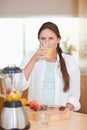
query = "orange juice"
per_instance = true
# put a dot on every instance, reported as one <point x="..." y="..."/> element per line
<point x="49" y="52"/>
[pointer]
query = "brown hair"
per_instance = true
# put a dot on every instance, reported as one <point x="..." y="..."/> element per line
<point x="54" y="28"/>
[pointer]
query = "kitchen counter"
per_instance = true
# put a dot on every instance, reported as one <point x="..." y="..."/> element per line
<point x="77" y="121"/>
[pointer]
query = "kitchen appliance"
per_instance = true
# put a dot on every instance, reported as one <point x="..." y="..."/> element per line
<point x="13" y="115"/>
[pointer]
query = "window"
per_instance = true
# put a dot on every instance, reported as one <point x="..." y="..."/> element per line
<point x="11" y="41"/>
<point x="18" y="36"/>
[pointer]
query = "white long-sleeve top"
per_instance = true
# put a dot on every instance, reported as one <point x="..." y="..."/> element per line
<point x="35" y="81"/>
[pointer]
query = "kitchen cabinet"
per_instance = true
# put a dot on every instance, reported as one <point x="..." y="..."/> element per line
<point x="1" y="99"/>
<point x="83" y="98"/>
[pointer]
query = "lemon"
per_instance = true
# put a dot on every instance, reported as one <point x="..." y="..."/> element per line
<point x="9" y="98"/>
<point x="13" y="97"/>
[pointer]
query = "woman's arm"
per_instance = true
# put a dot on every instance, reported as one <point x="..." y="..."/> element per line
<point x="29" y="67"/>
<point x="40" y="54"/>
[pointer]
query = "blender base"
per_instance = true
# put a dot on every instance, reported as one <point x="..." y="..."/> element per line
<point x="26" y="128"/>
<point x="13" y="110"/>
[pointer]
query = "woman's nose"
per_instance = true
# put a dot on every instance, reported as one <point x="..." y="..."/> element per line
<point x="45" y="44"/>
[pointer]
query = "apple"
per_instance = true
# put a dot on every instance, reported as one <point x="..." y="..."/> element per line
<point x="15" y="91"/>
<point x="35" y="105"/>
<point x="8" y="91"/>
<point x="32" y="104"/>
<point x="39" y="107"/>
<point x="43" y="107"/>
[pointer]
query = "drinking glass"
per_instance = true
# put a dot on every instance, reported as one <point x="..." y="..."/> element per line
<point x="43" y="118"/>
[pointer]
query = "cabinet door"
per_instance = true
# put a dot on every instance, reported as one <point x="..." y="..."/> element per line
<point x="1" y="99"/>
<point x="83" y="98"/>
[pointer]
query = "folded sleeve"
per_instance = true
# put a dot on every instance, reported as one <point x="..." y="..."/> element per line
<point x="74" y="94"/>
<point x="25" y="83"/>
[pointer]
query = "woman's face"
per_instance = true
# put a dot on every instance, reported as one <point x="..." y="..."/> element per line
<point x="49" y="39"/>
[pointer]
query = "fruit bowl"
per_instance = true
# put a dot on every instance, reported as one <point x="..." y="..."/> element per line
<point x="55" y="113"/>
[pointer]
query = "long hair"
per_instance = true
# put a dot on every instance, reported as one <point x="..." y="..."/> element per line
<point x="54" y="28"/>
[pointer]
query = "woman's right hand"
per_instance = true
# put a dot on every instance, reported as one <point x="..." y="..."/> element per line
<point x="40" y="54"/>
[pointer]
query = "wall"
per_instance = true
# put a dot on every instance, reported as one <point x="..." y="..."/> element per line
<point x="38" y="7"/>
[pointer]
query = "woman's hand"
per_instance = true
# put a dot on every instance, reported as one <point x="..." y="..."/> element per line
<point x="40" y="54"/>
<point x="70" y="106"/>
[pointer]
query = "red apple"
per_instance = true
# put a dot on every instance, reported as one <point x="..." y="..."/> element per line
<point x="38" y="107"/>
<point x="35" y="106"/>
<point x="8" y="91"/>
<point x="14" y="91"/>
<point x="32" y="103"/>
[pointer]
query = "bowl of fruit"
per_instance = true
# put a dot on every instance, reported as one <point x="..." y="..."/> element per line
<point x="55" y="112"/>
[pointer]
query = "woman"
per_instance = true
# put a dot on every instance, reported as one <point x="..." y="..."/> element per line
<point x="54" y="80"/>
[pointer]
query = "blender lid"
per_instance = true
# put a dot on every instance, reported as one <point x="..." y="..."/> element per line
<point x="11" y="70"/>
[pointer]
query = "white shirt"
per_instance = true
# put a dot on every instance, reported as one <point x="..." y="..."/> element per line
<point x="35" y="81"/>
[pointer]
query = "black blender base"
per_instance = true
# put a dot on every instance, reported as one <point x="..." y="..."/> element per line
<point x="26" y="128"/>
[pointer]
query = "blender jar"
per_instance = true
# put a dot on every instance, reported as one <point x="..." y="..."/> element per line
<point x="12" y="78"/>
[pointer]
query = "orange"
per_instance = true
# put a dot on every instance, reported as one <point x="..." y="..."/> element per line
<point x="24" y="101"/>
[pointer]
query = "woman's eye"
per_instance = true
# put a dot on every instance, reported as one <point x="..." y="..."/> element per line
<point x="51" y="38"/>
<point x="42" y="38"/>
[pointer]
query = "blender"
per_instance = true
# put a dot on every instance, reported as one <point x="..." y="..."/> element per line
<point x="13" y="115"/>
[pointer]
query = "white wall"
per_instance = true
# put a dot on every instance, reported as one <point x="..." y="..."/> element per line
<point x="38" y="7"/>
